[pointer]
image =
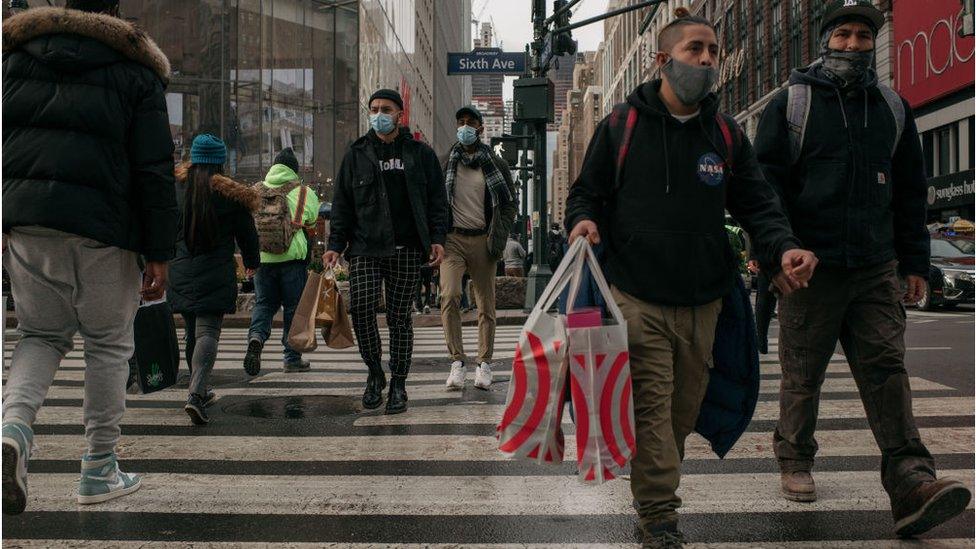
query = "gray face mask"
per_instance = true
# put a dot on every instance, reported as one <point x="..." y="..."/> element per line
<point x="847" y="68"/>
<point x="690" y="83"/>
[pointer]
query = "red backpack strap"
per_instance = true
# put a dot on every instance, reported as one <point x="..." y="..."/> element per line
<point x="723" y="125"/>
<point x="623" y="144"/>
<point x="300" y="210"/>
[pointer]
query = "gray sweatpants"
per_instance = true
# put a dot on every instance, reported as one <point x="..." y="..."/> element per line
<point x="202" y="336"/>
<point x="64" y="284"/>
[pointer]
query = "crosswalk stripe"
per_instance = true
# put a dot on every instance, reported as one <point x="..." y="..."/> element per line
<point x="420" y="495"/>
<point x="490" y="414"/>
<point x="333" y="386"/>
<point x="854" y="442"/>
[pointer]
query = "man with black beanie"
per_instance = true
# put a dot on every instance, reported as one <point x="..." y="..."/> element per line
<point x="389" y="214"/>
<point x="843" y="153"/>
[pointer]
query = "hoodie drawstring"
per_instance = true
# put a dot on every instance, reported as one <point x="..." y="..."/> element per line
<point x="843" y="111"/>
<point x="865" y="107"/>
<point x="667" y="157"/>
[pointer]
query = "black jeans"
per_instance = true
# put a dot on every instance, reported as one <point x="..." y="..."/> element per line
<point x="765" y="306"/>
<point x="862" y="308"/>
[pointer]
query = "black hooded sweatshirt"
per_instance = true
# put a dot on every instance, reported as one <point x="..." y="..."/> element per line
<point x="665" y="224"/>
<point x="849" y="199"/>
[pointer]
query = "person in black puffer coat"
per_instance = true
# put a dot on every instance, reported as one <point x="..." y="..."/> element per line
<point x="216" y="213"/>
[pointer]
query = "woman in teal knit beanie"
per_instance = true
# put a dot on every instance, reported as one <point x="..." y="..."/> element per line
<point x="216" y="215"/>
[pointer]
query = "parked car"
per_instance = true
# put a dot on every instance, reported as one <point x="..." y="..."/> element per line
<point x="951" y="273"/>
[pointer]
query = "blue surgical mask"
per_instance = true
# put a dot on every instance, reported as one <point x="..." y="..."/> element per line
<point x="383" y="123"/>
<point x="467" y="135"/>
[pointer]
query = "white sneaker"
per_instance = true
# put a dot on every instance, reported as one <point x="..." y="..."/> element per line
<point x="482" y="376"/>
<point x="455" y="381"/>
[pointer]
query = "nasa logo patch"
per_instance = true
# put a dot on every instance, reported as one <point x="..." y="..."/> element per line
<point x="711" y="169"/>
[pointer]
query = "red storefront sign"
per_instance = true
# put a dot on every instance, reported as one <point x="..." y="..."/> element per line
<point x="405" y="95"/>
<point x="931" y="59"/>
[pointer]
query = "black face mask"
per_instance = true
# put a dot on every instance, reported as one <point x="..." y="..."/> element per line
<point x="847" y="68"/>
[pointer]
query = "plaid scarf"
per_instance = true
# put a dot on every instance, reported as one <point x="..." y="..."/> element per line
<point x="500" y="193"/>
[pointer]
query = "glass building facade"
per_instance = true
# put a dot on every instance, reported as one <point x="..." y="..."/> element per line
<point x="262" y="74"/>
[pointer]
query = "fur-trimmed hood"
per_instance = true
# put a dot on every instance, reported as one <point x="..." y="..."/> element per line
<point x="232" y="190"/>
<point x="122" y="36"/>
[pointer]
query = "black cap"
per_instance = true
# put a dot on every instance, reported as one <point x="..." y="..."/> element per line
<point x="392" y="95"/>
<point x="471" y="110"/>
<point x="864" y="10"/>
<point x="287" y="157"/>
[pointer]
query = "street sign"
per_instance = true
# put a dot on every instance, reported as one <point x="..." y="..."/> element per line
<point x="486" y="61"/>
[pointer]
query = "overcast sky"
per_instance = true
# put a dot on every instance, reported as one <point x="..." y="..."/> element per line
<point x="513" y="24"/>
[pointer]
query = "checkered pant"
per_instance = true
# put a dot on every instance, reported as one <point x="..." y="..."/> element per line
<point x="400" y="273"/>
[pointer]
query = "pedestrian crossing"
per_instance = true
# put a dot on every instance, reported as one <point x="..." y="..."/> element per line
<point x="332" y="474"/>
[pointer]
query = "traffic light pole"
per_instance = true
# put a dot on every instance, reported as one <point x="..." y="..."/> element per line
<point x="545" y="44"/>
<point x="539" y="273"/>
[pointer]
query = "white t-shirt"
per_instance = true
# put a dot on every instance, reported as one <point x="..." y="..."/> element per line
<point x="685" y="117"/>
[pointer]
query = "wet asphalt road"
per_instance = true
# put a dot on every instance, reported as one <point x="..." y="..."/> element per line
<point x="293" y="458"/>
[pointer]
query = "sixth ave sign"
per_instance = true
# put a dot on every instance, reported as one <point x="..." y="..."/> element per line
<point x="486" y="61"/>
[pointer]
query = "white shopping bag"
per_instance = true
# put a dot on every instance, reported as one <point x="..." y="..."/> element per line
<point x="530" y="425"/>
<point x="600" y="382"/>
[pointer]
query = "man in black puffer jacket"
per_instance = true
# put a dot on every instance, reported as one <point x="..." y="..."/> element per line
<point x="87" y="188"/>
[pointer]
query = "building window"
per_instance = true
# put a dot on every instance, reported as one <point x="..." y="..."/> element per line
<point x="761" y="53"/>
<point x="743" y="99"/>
<point x="943" y="137"/>
<point x="777" y="40"/>
<point x="928" y="151"/>
<point x="796" y="33"/>
<point x="969" y="148"/>
<point x="816" y="19"/>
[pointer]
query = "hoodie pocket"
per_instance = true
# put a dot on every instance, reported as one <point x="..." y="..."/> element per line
<point x="686" y="267"/>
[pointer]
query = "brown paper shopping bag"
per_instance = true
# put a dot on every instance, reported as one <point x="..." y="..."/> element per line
<point x="301" y="335"/>
<point x="338" y="335"/>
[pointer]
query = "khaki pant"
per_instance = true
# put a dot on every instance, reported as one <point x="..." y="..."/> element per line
<point x="468" y="254"/>
<point x="862" y="309"/>
<point x="670" y="355"/>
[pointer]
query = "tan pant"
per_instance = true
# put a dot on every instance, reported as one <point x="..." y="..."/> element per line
<point x="670" y="355"/>
<point x="468" y="254"/>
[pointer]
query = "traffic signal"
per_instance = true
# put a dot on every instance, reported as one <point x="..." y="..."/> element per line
<point x="563" y="43"/>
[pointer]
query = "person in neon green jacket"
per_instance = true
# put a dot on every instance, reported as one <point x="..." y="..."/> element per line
<point x="281" y="278"/>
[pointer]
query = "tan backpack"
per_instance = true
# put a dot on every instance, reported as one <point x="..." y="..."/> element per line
<point x="274" y="222"/>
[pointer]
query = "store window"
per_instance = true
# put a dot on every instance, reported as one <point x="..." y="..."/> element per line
<point x="943" y="138"/>
<point x="928" y="151"/>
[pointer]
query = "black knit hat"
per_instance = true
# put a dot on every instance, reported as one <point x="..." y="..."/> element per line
<point x="392" y="95"/>
<point x="287" y="157"/>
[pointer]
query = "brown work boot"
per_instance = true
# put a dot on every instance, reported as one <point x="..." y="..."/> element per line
<point x="663" y="535"/>
<point x="798" y="486"/>
<point x="928" y="505"/>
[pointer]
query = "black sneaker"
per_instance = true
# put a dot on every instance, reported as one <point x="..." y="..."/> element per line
<point x="197" y="410"/>
<point x="252" y="360"/>
<point x="396" y="400"/>
<point x="300" y="366"/>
